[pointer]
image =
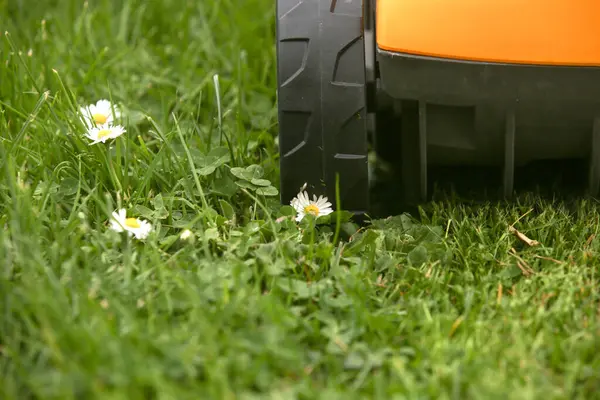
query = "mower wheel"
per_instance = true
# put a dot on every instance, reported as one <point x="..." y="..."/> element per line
<point x="322" y="100"/>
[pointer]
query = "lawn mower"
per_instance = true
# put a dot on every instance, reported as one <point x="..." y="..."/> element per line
<point x="498" y="83"/>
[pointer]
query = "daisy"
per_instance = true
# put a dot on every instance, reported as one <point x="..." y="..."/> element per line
<point x="133" y="226"/>
<point x="104" y="133"/>
<point x="186" y="234"/>
<point x="100" y="113"/>
<point x="317" y="207"/>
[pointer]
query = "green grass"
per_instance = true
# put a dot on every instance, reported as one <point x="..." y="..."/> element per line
<point x="255" y="306"/>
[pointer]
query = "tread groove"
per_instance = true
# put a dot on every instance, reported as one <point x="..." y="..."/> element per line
<point x="300" y="69"/>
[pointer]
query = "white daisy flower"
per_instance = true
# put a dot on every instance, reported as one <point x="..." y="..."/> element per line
<point x="317" y="207"/>
<point x="104" y="133"/>
<point x="100" y="113"/>
<point x="186" y="234"/>
<point x="133" y="226"/>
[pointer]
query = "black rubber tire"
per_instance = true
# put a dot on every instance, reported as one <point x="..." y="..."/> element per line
<point x="321" y="100"/>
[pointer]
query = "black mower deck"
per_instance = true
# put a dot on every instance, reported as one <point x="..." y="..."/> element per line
<point x="491" y="114"/>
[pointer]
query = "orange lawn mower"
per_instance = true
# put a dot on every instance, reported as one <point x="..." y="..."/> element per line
<point x="497" y="83"/>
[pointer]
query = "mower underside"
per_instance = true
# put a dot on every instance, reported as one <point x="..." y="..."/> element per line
<point x="507" y="115"/>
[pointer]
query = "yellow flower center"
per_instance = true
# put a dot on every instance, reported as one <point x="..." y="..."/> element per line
<point x="312" y="209"/>
<point x="103" y="133"/>
<point x="100" y="118"/>
<point x="132" y="223"/>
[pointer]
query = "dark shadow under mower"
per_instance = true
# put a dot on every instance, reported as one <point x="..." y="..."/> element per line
<point x="426" y="119"/>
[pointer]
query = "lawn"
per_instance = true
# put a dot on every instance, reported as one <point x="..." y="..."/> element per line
<point x="448" y="303"/>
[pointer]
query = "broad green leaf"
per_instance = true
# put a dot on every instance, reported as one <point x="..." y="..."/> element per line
<point x="246" y="185"/>
<point x="68" y="186"/>
<point x="211" y="234"/>
<point x="260" y="182"/>
<point x="161" y="213"/>
<point x="220" y="153"/>
<point x="267" y="191"/>
<point x="275" y="268"/>
<point x="227" y="209"/>
<point x="224" y="186"/>
<point x="205" y="171"/>
<point x="238" y="172"/>
<point x="418" y="256"/>
<point x="287" y="211"/>
<point x="249" y="173"/>
<point x="158" y="202"/>
<point x="254" y="172"/>
<point x="216" y="158"/>
<point x="345" y="216"/>
<point x="354" y="360"/>
<point x="362" y="240"/>
<point x="143" y="211"/>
